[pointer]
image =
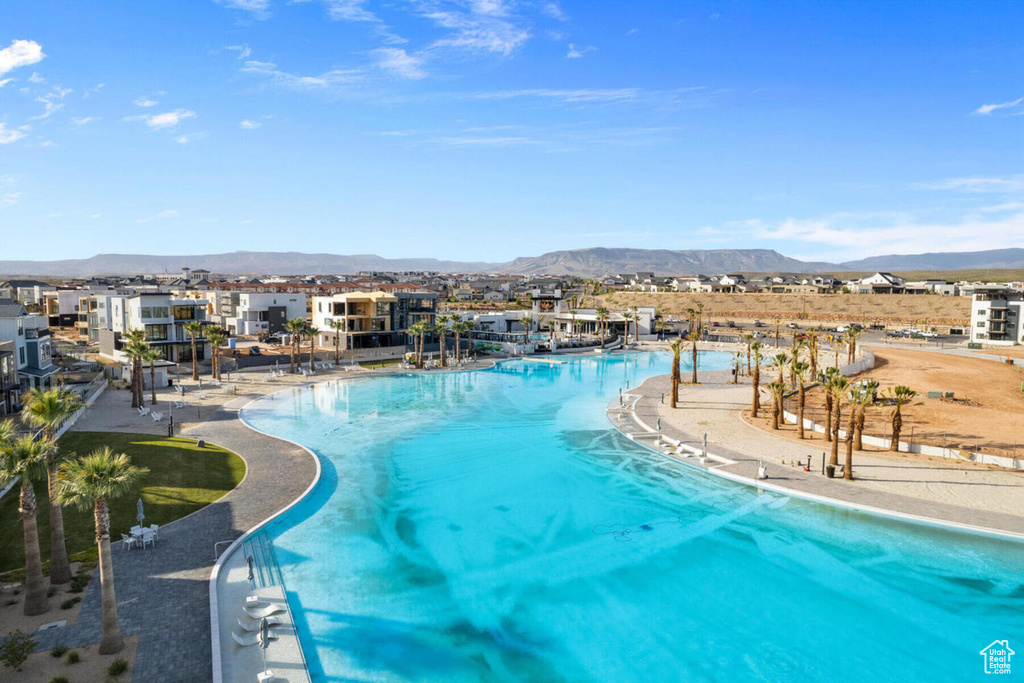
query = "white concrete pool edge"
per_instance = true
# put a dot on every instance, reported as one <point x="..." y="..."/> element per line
<point x="835" y="502"/>
<point x="217" y="655"/>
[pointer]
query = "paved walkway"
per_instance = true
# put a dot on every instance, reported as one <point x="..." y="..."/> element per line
<point x="963" y="495"/>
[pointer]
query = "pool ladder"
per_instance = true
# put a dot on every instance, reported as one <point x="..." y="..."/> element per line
<point x="266" y="571"/>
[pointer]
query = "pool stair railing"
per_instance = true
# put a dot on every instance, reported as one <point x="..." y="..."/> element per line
<point x="266" y="571"/>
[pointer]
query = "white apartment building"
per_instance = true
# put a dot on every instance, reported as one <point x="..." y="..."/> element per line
<point x="996" y="316"/>
<point x="162" y="316"/>
<point x="257" y="312"/>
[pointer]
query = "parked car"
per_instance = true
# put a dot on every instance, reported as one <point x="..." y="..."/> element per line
<point x="757" y="323"/>
<point x="272" y="340"/>
<point x="714" y="324"/>
<point x="793" y="326"/>
<point x="254" y="351"/>
<point x="730" y="324"/>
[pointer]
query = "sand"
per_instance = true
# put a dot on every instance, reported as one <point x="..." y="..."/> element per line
<point x="11" y="617"/>
<point x="42" y="667"/>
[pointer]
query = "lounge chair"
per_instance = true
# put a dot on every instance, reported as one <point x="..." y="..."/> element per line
<point x="259" y="613"/>
<point x="254" y="626"/>
<point x="247" y="639"/>
<point x="156" y="416"/>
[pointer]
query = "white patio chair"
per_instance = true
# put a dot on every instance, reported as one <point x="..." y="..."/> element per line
<point x="155" y="528"/>
<point x="127" y="541"/>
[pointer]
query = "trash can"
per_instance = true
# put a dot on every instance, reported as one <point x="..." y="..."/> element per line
<point x="231" y="342"/>
<point x="830" y="471"/>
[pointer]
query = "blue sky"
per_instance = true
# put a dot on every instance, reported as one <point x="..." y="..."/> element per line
<point x="489" y="129"/>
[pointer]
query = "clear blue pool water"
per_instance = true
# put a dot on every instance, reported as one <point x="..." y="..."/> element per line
<point x="491" y="526"/>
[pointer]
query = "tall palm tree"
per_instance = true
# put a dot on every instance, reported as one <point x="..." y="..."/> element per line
<point x="900" y="396"/>
<point x="135" y="347"/>
<point x="215" y="337"/>
<point x="838" y="387"/>
<point x="799" y="346"/>
<point x="693" y="338"/>
<point x="812" y="350"/>
<point x="778" y="324"/>
<point x="748" y="339"/>
<point x="526" y="320"/>
<point x="294" y="327"/>
<point x="858" y="398"/>
<point x="49" y="409"/>
<point x="459" y="328"/>
<point x="338" y="325"/>
<point x="312" y="332"/>
<point x="870" y="392"/>
<point x="677" y="347"/>
<point x="825" y="379"/>
<point x="194" y="330"/>
<point x="799" y="372"/>
<point x="635" y="311"/>
<point x="26" y="458"/>
<point x="93" y="481"/>
<point x="418" y="330"/>
<point x="700" y="318"/>
<point x="852" y="335"/>
<point x="602" y="321"/>
<point x="151" y="357"/>
<point x="777" y="389"/>
<point x="755" y="349"/>
<point x="691" y="315"/>
<point x="572" y="315"/>
<point x="780" y="362"/>
<point x="737" y="359"/>
<point x="441" y="326"/>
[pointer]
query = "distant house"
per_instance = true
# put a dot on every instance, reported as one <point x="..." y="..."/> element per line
<point x="30" y="351"/>
<point x="879" y="283"/>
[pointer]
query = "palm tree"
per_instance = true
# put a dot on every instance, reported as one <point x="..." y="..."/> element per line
<point x="418" y="330"/>
<point x="93" y="481"/>
<point x="900" y="396"/>
<point x="858" y="398"/>
<point x="693" y="338"/>
<point x="755" y="349"/>
<point x="602" y="322"/>
<point x="635" y="311"/>
<point x="26" y="458"/>
<point x="852" y="335"/>
<point x="737" y="358"/>
<point x="825" y="379"/>
<point x="151" y="357"/>
<point x="294" y="327"/>
<point x="870" y="391"/>
<point x="799" y="346"/>
<point x="748" y="339"/>
<point x="799" y="372"/>
<point x="677" y="347"/>
<point x="338" y="325"/>
<point x="460" y="327"/>
<point x="778" y="323"/>
<point x="526" y="320"/>
<point x="215" y="337"/>
<point x="441" y="326"/>
<point x="780" y="362"/>
<point x="49" y="409"/>
<point x="812" y="350"/>
<point x="135" y="348"/>
<point x="778" y="390"/>
<point x="572" y="314"/>
<point x="691" y="314"/>
<point x="312" y="332"/>
<point x="700" y="318"/>
<point x="837" y="386"/>
<point x="194" y="330"/>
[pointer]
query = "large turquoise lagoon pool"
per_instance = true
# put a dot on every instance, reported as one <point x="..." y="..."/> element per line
<point x="492" y="526"/>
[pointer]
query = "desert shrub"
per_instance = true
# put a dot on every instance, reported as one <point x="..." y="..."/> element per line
<point x="70" y="602"/>
<point x="58" y="651"/>
<point x="59" y="679"/>
<point x="16" y="648"/>
<point x="117" y="667"/>
<point x="73" y="657"/>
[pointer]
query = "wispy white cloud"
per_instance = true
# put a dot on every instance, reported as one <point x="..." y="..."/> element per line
<point x="576" y="95"/>
<point x="166" y="213"/>
<point x="553" y="10"/>
<point x="576" y="53"/>
<point x="5" y="81"/>
<point x="397" y="61"/>
<point x="632" y="32"/>
<point x="981" y="185"/>
<point x="9" y="198"/>
<point x="166" y="120"/>
<point x="52" y="102"/>
<point x="243" y="50"/>
<point x="188" y="137"/>
<point x="81" y="121"/>
<point x="249" y="125"/>
<point x="36" y="78"/>
<point x="20" y="53"/>
<point x="94" y="215"/>
<point x="986" y="109"/>
<point x="481" y="26"/>
<point x="333" y="78"/>
<point x="258" y="8"/>
<point x="7" y="135"/>
<point x="349" y="10"/>
<point x="145" y="102"/>
<point x="475" y="141"/>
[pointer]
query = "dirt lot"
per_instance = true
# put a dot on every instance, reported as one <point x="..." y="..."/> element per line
<point x="986" y="414"/>
<point x="926" y="311"/>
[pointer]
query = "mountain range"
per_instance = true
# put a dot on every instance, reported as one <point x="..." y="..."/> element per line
<point x="579" y="262"/>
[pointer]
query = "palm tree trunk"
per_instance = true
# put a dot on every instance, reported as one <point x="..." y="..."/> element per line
<point x="858" y="436"/>
<point x="755" y="401"/>
<point x="152" y="382"/>
<point x="312" y="351"/>
<point x="848" y="468"/>
<point x="775" y="414"/>
<point x="60" y="567"/>
<point x="897" y="426"/>
<point x="836" y="415"/>
<point x="195" y="361"/>
<point x="828" y="415"/>
<point x="457" y="349"/>
<point x="337" y="342"/>
<point x="35" y="588"/>
<point x="291" y="356"/>
<point x="444" y="363"/>
<point x="801" y="402"/>
<point x="110" y="640"/>
<point x="694" y="362"/>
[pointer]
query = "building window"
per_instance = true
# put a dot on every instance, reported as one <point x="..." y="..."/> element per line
<point x="184" y="312"/>
<point x="981" y="323"/>
<point x="383" y="308"/>
<point x="377" y="325"/>
<point x="145" y="312"/>
<point x="156" y="332"/>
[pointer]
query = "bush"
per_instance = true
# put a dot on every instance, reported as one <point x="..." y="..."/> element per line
<point x="59" y="679"/>
<point x="73" y="657"/>
<point x="117" y="667"/>
<point x="58" y="651"/>
<point x="78" y="583"/>
<point x="16" y="649"/>
<point x="70" y="602"/>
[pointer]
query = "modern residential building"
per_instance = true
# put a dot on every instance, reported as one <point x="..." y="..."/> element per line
<point x="32" y="349"/>
<point x="162" y="316"/>
<point x="9" y="386"/>
<point x="242" y="312"/>
<point x="996" y="315"/>
<point x="879" y="283"/>
<point x="372" y="319"/>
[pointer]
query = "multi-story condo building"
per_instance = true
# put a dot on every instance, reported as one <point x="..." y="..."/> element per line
<point x="30" y="346"/>
<point x="242" y="312"/>
<point x="162" y="316"/>
<point x="996" y="315"/>
<point x="372" y="319"/>
<point x="8" y="378"/>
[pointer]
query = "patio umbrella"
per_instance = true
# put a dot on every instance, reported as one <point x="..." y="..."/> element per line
<point x="139" y="515"/>
<point x="264" y="638"/>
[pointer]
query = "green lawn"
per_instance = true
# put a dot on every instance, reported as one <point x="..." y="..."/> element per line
<point x="377" y="364"/>
<point x="182" y="479"/>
